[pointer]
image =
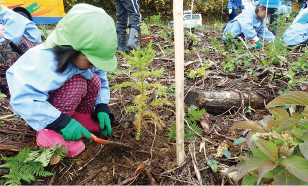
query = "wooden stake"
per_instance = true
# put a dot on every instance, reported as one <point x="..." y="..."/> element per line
<point x="264" y="24"/>
<point x="179" y="78"/>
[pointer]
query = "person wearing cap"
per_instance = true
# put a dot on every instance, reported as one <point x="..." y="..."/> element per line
<point x="297" y="33"/>
<point x="232" y="7"/>
<point x="124" y="9"/>
<point x="17" y="26"/>
<point x="250" y="23"/>
<point x="60" y="87"/>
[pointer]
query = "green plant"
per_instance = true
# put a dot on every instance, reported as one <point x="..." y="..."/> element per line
<point x="212" y="164"/>
<point x="293" y="82"/>
<point x="2" y="95"/>
<point x="193" y="117"/>
<point x="194" y="74"/>
<point x="301" y="65"/>
<point x="171" y="90"/>
<point x="154" y="20"/>
<point x="30" y="163"/>
<point x="142" y="104"/>
<point x="145" y="29"/>
<point x="278" y="144"/>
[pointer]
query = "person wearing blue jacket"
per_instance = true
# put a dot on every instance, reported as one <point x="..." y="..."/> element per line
<point x="297" y="33"/>
<point x="18" y="29"/>
<point x="60" y="87"/>
<point x="250" y="23"/>
<point x="232" y="7"/>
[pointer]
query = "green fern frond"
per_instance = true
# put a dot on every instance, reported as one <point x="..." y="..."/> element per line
<point x="30" y="163"/>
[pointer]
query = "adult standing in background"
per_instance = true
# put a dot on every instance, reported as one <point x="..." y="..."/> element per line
<point x="124" y="9"/>
<point x="232" y="7"/>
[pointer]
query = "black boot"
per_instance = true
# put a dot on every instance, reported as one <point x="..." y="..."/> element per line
<point x="134" y="36"/>
<point x="122" y="43"/>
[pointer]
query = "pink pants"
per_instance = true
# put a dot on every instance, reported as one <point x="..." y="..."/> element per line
<point x="76" y="94"/>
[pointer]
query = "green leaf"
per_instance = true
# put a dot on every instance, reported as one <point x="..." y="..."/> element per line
<point x="280" y="178"/>
<point x="212" y="164"/>
<point x="268" y="148"/>
<point x="239" y="141"/>
<point x="297" y="166"/>
<point x="305" y="136"/>
<point x="273" y="123"/>
<point x="249" y="180"/>
<point x="281" y="112"/>
<point x="297" y="132"/>
<point x="247" y="125"/>
<point x="265" y="167"/>
<point x="249" y="166"/>
<point x="304" y="149"/>
<point x="2" y="95"/>
<point x="257" y="153"/>
<point x="226" y="153"/>
<point x="291" y="98"/>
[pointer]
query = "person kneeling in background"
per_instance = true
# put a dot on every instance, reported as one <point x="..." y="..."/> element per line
<point x="19" y="28"/>
<point x="297" y="33"/>
<point x="250" y="23"/>
<point x="55" y="86"/>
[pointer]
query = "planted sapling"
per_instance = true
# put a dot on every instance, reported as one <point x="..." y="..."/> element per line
<point x="142" y="104"/>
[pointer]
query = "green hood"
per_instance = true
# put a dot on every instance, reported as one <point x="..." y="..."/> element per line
<point x="90" y="30"/>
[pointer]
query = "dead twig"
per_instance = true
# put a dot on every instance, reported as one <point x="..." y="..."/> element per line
<point x="86" y="164"/>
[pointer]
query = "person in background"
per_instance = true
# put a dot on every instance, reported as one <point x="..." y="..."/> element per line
<point x="250" y="23"/>
<point x="247" y="4"/>
<point x="124" y="9"/>
<point x="297" y="33"/>
<point x="60" y="87"/>
<point x="303" y="11"/>
<point x="232" y="7"/>
<point x="17" y="26"/>
<point x="289" y="8"/>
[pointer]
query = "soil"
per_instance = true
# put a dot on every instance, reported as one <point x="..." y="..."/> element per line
<point x="152" y="160"/>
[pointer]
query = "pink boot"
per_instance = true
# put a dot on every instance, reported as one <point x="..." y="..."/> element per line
<point x="86" y="121"/>
<point x="50" y="138"/>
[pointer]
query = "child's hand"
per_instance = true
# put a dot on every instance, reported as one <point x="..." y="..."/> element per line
<point x="104" y="123"/>
<point x="74" y="130"/>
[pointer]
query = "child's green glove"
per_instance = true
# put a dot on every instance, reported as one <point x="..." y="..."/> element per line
<point x="259" y="46"/>
<point x="73" y="131"/>
<point x="104" y="123"/>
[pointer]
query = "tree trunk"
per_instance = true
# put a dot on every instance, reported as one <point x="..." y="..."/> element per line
<point x="219" y="102"/>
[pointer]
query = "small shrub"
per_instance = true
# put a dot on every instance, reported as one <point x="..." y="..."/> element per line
<point x="278" y="144"/>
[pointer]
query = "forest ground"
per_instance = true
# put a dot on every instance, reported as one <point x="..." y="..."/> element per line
<point x="153" y="159"/>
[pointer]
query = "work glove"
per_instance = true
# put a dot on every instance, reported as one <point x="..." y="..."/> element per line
<point x="230" y="11"/>
<point x="104" y="123"/>
<point x="74" y="130"/>
<point x="256" y="45"/>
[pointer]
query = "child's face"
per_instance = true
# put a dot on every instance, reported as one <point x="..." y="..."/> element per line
<point x="261" y="13"/>
<point x="82" y="62"/>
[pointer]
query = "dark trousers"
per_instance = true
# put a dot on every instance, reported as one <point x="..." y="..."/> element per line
<point x="124" y="9"/>
<point x="233" y="14"/>
<point x="273" y="24"/>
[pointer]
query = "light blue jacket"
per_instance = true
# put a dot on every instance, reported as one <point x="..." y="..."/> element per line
<point x="248" y="24"/>
<point x="32" y="77"/>
<point x="16" y="26"/>
<point x="235" y="4"/>
<point x="297" y="32"/>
